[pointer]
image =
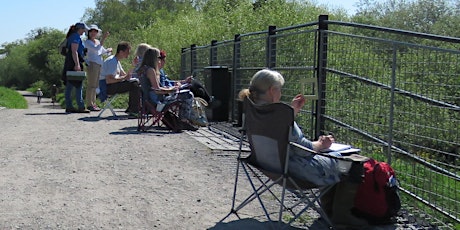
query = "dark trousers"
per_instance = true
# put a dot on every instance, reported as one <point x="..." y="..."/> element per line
<point x="199" y="91"/>
<point x="127" y="86"/>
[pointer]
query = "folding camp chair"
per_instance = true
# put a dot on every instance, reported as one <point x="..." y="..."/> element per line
<point x="149" y="116"/>
<point x="267" y="129"/>
<point x="106" y="99"/>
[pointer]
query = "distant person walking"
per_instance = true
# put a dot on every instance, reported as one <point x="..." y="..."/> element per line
<point x="39" y="95"/>
<point x="95" y="49"/>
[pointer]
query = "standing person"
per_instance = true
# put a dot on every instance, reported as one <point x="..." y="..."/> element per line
<point x="95" y="49"/>
<point x="74" y="60"/>
<point x="39" y="95"/>
<point x="118" y="81"/>
<point x="54" y="92"/>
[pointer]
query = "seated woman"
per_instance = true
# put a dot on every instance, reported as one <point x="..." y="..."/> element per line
<point x="158" y="94"/>
<point x="265" y="87"/>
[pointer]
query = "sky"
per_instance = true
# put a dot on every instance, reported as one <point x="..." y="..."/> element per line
<point x="23" y="16"/>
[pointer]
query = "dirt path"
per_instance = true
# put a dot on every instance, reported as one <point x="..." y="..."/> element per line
<point x="73" y="171"/>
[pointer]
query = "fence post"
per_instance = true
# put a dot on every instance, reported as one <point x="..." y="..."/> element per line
<point x="213" y="53"/>
<point x="321" y="73"/>
<point x="236" y="80"/>
<point x="271" y="47"/>
<point x="193" y="58"/>
<point x="182" y="64"/>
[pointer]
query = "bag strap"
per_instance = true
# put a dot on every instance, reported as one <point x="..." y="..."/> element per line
<point x="201" y="101"/>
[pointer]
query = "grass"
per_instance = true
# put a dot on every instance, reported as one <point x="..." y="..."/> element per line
<point x="11" y="99"/>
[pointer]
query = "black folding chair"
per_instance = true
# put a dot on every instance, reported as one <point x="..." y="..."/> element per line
<point x="267" y="128"/>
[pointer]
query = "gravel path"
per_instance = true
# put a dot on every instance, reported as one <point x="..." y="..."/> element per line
<point x="74" y="171"/>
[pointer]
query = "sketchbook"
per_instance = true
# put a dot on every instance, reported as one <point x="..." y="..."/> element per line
<point x="341" y="148"/>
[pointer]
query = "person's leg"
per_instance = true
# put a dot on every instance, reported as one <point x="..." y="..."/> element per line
<point x="199" y="91"/>
<point x="134" y="93"/>
<point x="93" y="80"/>
<point x="79" y="95"/>
<point x="134" y="97"/>
<point x="186" y="99"/>
<point x="67" y="95"/>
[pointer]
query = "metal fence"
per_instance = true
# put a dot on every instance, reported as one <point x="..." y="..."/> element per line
<point x="395" y="94"/>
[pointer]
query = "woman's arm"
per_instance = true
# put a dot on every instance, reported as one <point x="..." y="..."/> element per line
<point x="297" y="103"/>
<point x="154" y="79"/>
<point x="74" y="50"/>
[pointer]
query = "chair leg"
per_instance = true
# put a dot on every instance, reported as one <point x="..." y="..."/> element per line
<point x="108" y="105"/>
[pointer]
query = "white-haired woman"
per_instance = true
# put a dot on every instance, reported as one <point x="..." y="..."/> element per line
<point x="265" y="87"/>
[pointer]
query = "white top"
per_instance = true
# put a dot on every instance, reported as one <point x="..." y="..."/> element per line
<point x="95" y="51"/>
<point x="111" y="66"/>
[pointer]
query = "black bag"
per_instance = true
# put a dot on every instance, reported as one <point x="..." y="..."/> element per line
<point x="172" y="122"/>
<point x="63" y="47"/>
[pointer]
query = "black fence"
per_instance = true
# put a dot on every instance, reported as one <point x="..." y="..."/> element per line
<point x="395" y="94"/>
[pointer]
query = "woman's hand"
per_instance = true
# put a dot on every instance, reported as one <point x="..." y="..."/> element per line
<point x="323" y="142"/>
<point x="105" y="35"/>
<point x="297" y="103"/>
<point x="188" y="79"/>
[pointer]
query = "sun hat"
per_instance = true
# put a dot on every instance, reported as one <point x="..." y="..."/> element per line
<point x="94" y="27"/>
<point x="81" y="25"/>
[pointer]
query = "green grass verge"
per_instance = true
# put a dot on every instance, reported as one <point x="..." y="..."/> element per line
<point x="11" y="99"/>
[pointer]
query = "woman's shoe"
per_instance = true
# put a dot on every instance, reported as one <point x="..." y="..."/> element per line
<point x="93" y="108"/>
<point x="82" y="110"/>
<point x="71" y="110"/>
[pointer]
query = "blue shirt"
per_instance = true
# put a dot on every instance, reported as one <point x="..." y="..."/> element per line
<point x="75" y="38"/>
<point x="164" y="80"/>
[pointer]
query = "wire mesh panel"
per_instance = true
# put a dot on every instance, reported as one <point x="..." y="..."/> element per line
<point x="394" y="94"/>
<point x="296" y="60"/>
<point x="396" y="101"/>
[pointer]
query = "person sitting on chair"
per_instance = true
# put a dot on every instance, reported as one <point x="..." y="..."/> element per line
<point x="118" y="81"/>
<point x="265" y="87"/>
<point x="137" y="60"/>
<point x="159" y="94"/>
<point x="196" y="87"/>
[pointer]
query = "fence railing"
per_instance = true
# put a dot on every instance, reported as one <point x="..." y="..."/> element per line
<point x="395" y="94"/>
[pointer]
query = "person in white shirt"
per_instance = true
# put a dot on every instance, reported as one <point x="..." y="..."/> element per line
<point x="118" y="81"/>
<point x="95" y="50"/>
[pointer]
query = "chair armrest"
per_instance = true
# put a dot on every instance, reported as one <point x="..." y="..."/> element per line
<point x="352" y="157"/>
<point x="162" y="91"/>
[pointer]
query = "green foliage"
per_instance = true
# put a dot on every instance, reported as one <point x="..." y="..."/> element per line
<point x="11" y="99"/>
<point x="173" y="25"/>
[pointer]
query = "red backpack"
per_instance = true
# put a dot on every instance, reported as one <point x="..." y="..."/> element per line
<point x="377" y="198"/>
